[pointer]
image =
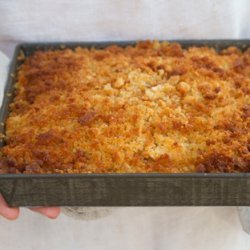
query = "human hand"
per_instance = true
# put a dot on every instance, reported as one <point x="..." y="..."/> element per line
<point x="13" y="213"/>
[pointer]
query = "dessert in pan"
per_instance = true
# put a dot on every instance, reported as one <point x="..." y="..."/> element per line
<point x="150" y="108"/>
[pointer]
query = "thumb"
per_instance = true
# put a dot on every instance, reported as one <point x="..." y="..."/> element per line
<point x="6" y="211"/>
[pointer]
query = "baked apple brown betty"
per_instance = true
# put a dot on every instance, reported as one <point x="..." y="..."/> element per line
<point x="154" y="107"/>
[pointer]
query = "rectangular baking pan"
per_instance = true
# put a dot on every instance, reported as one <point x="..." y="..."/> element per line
<point x="194" y="189"/>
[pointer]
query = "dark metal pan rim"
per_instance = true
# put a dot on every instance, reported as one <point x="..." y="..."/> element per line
<point x="129" y="175"/>
<point x="217" y="44"/>
<point x="128" y="42"/>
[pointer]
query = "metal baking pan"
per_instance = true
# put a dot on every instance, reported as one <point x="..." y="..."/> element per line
<point x="194" y="189"/>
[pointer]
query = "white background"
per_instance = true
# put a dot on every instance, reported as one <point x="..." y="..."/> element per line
<point x="44" y="20"/>
<point x="127" y="228"/>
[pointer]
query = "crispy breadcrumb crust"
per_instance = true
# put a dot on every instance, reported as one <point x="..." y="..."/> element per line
<point x="154" y="107"/>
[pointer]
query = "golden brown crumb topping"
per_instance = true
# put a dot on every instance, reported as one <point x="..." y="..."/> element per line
<point x="154" y="107"/>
